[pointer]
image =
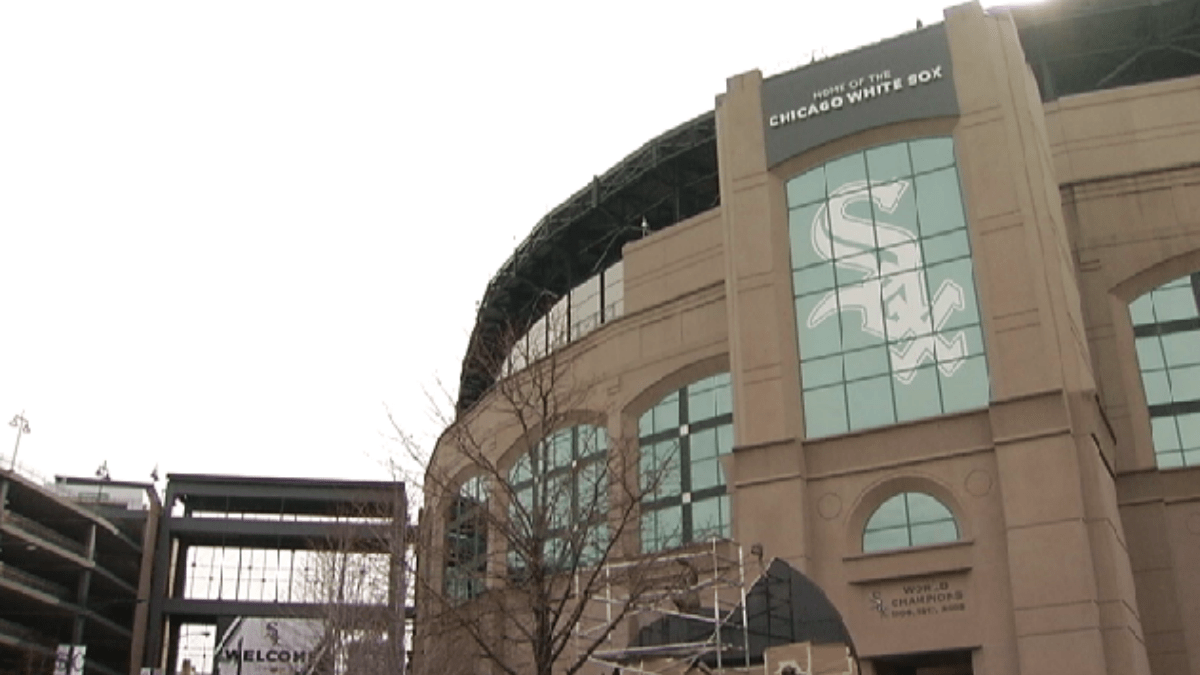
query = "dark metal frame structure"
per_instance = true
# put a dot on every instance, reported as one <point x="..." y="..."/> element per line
<point x="204" y="510"/>
<point x="1077" y="47"/>
<point x="671" y="178"/>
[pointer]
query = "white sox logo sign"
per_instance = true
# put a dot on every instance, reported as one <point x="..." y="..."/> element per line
<point x="895" y="273"/>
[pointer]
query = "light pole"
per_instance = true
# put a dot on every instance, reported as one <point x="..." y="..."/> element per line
<point x="22" y="426"/>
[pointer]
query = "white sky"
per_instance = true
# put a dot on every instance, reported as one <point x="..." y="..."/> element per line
<point x="232" y="231"/>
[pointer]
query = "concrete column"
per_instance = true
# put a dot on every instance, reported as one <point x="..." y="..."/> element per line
<point x="764" y="363"/>
<point x="154" y="657"/>
<point x="83" y="588"/>
<point x="3" y="501"/>
<point x="141" y="616"/>
<point x="1068" y="586"/>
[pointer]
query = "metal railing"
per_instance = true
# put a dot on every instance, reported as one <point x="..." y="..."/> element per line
<point x="32" y="581"/>
<point x="42" y="532"/>
<point x="23" y="470"/>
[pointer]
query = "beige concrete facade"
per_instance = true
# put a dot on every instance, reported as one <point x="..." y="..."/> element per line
<point x="1075" y="553"/>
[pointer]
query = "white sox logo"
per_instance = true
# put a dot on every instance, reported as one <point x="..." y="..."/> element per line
<point x="895" y="274"/>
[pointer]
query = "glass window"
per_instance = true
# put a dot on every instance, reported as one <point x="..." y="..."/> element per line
<point x="884" y="289"/>
<point x="682" y="440"/>
<point x="466" y="541"/>
<point x="614" y="291"/>
<point x="585" y="307"/>
<point x="1166" y="328"/>
<point x="560" y="490"/>
<point x="597" y="300"/>
<point x="909" y="519"/>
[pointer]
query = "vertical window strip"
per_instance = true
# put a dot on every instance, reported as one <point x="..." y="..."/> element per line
<point x="564" y="480"/>
<point x="1170" y="314"/>
<point x="669" y="516"/>
<point x="466" y="542"/>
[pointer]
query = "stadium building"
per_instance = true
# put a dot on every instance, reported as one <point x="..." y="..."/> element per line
<point x="918" y="320"/>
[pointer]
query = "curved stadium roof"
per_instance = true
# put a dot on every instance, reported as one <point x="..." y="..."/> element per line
<point x="671" y="178"/>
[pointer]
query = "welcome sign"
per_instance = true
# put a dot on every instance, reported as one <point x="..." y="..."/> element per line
<point x="905" y="78"/>
<point x="270" y="646"/>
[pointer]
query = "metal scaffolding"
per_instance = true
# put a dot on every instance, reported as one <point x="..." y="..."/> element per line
<point x="693" y="618"/>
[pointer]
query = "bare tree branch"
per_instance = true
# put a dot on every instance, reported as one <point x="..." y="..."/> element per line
<point x="560" y="499"/>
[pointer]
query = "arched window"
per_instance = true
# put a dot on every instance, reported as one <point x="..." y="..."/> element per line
<point x="884" y="287"/>
<point x="560" y="492"/>
<point x="1166" y="329"/>
<point x="682" y="439"/>
<point x="466" y="541"/>
<point x="909" y="519"/>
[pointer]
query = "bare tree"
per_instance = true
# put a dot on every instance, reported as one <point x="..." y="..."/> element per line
<point x="527" y="501"/>
<point x="357" y="579"/>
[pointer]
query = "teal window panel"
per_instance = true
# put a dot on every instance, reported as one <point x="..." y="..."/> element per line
<point x="725" y="439"/>
<point x="966" y="388"/>
<point x="888" y="162"/>
<point x="952" y="294"/>
<point x="939" y="203"/>
<point x="724" y="394"/>
<point x="819" y="325"/>
<point x="867" y="363"/>
<point x="1142" y="310"/>
<point x="948" y="246"/>
<point x="894" y="209"/>
<point x="807" y="187"/>
<point x="1189" y="430"/>
<point x="706" y="474"/>
<point x="931" y="153"/>
<point x="892" y="513"/>
<point x="923" y="508"/>
<point x="1179" y="349"/>
<point x="808" y="231"/>
<point x="1158" y="388"/>
<point x="857" y="267"/>
<point x="862" y="316"/>
<point x="956" y="344"/>
<point x="1166" y="433"/>
<point x="703" y="444"/>
<point x="1185" y="384"/>
<point x="1174" y="303"/>
<point x="661" y="417"/>
<point x="885" y="540"/>
<point x="702" y="401"/>
<point x="870" y="402"/>
<point x="815" y="278"/>
<point x="592" y="440"/>
<point x="825" y="411"/>
<point x="903" y="257"/>
<point x="562" y="450"/>
<point x="1150" y="353"/>
<point x="847" y="170"/>
<point x="1169" y="460"/>
<point x="917" y="394"/>
<point x="707" y="519"/>
<point x="934" y="533"/>
<point x="820" y="372"/>
<point x="671" y="482"/>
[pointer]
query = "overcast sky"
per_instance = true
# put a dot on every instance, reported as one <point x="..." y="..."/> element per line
<point x="232" y="232"/>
